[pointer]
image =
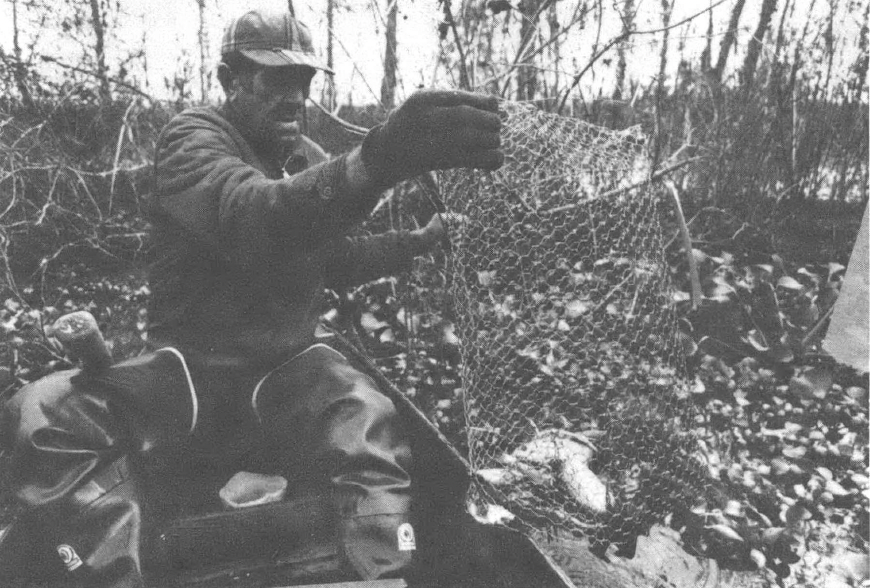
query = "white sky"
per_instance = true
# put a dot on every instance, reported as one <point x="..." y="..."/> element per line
<point x="170" y="33"/>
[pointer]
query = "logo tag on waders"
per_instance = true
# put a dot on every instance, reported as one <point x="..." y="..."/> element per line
<point x="405" y="534"/>
<point x="70" y="558"/>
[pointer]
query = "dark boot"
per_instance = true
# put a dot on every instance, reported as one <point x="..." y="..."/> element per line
<point x="70" y="434"/>
<point x="91" y="541"/>
<point x="330" y="428"/>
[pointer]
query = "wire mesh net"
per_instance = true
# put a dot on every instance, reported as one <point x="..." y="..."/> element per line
<point x="574" y="383"/>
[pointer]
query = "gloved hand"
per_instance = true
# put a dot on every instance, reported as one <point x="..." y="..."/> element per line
<point x="434" y="129"/>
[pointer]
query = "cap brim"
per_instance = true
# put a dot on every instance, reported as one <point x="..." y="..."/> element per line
<point x="283" y="58"/>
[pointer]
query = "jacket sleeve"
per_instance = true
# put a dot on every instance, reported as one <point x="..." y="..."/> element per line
<point x="357" y="260"/>
<point x="205" y="186"/>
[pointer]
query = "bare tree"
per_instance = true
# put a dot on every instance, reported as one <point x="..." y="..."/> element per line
<point x="660" y="140"/>
<point x="19" y="71"/>
<point x="527" y="75"/>
<point x="780" y="33"/>
<point x="768" y="7"/>
<point x="388" y="85"/>
<point x="707" y="54"/>
<point x="553" y="22"/>
<point x="449" y="24"/>
<point x="728" y="41"/>
<point x="98" y="23"/>
<point x="627" y="17"/>
<point x="204" y="69"/>
<point x="329" y="86"/>
<point x="862" y="62"/>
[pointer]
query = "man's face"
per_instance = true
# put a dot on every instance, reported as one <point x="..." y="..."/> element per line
<point x="269" y="101"/>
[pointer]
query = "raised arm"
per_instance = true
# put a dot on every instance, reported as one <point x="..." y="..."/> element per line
<point x="206" y="185"/>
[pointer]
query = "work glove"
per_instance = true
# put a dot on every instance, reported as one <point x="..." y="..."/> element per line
<point x="434" y="129"/>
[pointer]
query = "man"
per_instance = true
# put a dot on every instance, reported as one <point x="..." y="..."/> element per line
<point x="245" y="251"/>
<point x="250" y="223"/>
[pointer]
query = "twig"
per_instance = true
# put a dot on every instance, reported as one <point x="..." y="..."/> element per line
<point x="14" y="198"/>
<point x="615" y="41"/>
<point x="118" y="146"/>
<point x="48" y="200"/>
<point x="88" y="192"/>
<point x="348" y="126"/>
<point x="682" y="22"/>
<point x="115" y="81"/>
<point x="44" y="263"/>
<point x="564" y="30"/>
<point x="357" y="68"/>
<point x="385" y="199"/>
<point x="815" y="329"/>
<point x="617" y="191"/>
<point x="687" y="245"/>
<point x="464" y="82"/>
<point x="524" y="43"/>
<point x="138" y="235"/>
<point x="21" y="137"/>
<point x="107" y="173"/>
<point x="620" y="38"/>
<point x="692" y="221"/>
<point x="613" y="291"/>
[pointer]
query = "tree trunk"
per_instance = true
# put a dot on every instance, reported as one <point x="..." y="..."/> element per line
<point x="553" y="21"/>
<point x="862" y="62"/>
<point x="527" y="75"/>
<point x="660" y="140"/>
<point x="449" y="24"/>
<point x="329" y="86"/>
<point x="795" y="124"/>
<point x="492" y="85"/>
<point x="780" y="32"/>
<point x="388" y="85"/>
<point x="290" y="8"/>
<point x="707" y="54"/>
<point x="144" y="43"/>
<point x="204" y="69"/>
<point x="99" y="49"/>
<point x="728" y="41"/>
<point x="621" y="63"/>
<point x="19" y="71"/>
<point x="768" y="7"/>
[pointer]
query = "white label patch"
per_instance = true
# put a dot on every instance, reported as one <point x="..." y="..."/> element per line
<point x="405" y="535"/>
<point x="70" y="558"/>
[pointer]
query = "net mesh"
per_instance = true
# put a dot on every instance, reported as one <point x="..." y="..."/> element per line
<point x="574" y="384"/>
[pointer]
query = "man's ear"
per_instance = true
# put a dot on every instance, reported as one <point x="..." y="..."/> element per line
<point x="226" y="77"/>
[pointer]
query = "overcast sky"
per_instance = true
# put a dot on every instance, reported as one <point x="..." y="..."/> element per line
<point x="169" y="31"/>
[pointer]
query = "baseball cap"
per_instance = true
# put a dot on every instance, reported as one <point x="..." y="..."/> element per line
<point x="271" y="40"/>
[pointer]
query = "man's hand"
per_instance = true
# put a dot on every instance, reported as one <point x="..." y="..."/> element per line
<point x="434" y="129"/>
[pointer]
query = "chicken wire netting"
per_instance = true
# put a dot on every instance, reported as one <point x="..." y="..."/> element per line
<point x="575" y="388"/>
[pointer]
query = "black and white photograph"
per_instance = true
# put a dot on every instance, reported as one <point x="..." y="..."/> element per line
<point x="434" y="294"/>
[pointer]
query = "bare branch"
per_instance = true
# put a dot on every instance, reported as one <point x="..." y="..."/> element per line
<point x="728" y="41"/>
<point x="464" y="82"/>
<point x="112" y="80"/>
<point x="578" y="16"/>
<point x="99" y="49"/>
<point x="680" y="23"/>
<point x="350" y="127"/>
<point x="622" y="190"/>
<point x="620" y="38"/>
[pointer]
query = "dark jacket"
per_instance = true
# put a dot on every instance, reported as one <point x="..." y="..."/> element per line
<point x="243" y="254"/>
